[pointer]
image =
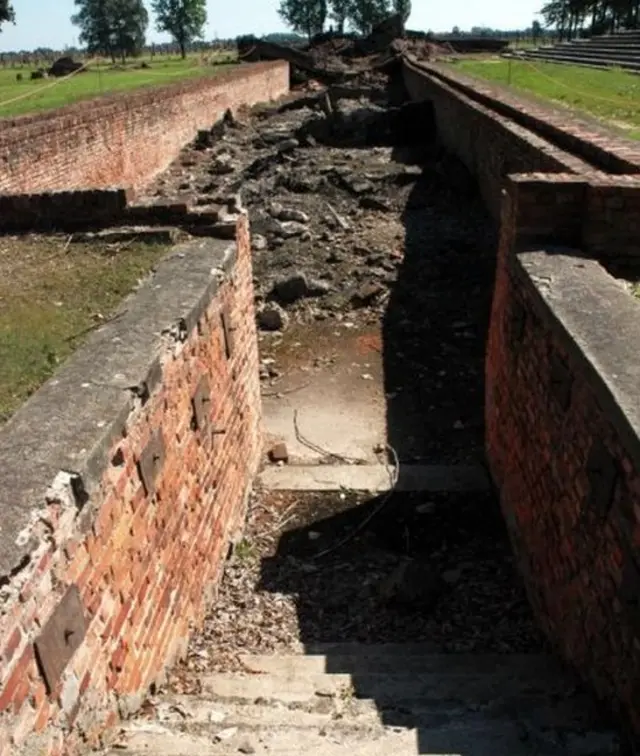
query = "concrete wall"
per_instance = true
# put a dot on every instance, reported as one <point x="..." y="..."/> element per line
<point x="115" y="539"/>
<point x="125" y="140"/>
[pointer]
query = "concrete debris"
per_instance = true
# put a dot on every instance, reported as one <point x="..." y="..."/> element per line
<point x="227" y="734"/>
<point x="258" y="243"/>
<point x="276" y="210"/>
<point x="298" y="286"/>
<point x="271" y="317"/>
<point x="332" y="58"/>
<point x="279" y="453"/>
<point x="141" y="234"/>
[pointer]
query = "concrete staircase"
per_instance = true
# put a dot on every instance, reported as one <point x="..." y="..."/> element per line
<point x="620" y="50"/>
<point x="383" y="700"/>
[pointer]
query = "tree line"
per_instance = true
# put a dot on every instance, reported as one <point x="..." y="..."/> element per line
<point x="310" y="17"/>
<point x="573" y="18"/>
<point x="118" y="28"/>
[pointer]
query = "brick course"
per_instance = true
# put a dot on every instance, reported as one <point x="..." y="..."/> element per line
<point x="144" y="564"/>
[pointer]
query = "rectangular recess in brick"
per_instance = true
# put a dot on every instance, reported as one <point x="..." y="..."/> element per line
<point x="201" y="403"/>
<point x="602" y="473"/>
<point x="227" y="330"/>
<point x="629" y="590"/>
<point x="561" y="380"/>
<point x="151" y="461"/>
<point x="61" y="637"/>
<point x="518" y="323"/>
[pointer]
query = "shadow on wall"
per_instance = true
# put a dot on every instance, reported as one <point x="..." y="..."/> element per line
<point x="460" y="592"/>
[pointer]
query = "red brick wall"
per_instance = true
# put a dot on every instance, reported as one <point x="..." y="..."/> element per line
<point x="562" y="444"/>
<point x="144" y="564"/>
<point x="125" y="140"/>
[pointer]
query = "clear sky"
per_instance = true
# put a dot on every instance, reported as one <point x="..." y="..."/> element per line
<point x="45" y="23"/>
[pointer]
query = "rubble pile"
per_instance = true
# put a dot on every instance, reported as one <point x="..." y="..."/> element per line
<point x="331" y="58"/>
<point x="326" y="215"/>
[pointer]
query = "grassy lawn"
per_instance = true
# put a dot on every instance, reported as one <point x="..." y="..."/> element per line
<point x="27" y="96"/>
<point x="612" y="96"/>
<point x="52" y="294"/>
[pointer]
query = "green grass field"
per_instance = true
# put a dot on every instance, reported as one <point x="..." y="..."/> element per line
<point x="612" y="96"/>
<point x="52" y="294"/>
<point x="27" y="96"/>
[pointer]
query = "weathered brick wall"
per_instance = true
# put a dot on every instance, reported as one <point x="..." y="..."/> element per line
<point x="144" y="562"/>
<point x="600" y="214"/>
<point x="489" y="144"/>
<point x="121" y="140"/>
<point x="562" y="425"/>
<point x="68" y="210"/>
<point x="611" y="226"/>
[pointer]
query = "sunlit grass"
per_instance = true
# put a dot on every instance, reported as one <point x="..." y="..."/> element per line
<point x="612" y="95"/>
<point x="101" y="77"/>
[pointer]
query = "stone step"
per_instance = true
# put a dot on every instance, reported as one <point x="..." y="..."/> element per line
<point x="545" y="710"/>
<point x="384" y="688"/>
<point x="605" y="49"/>
<point x="376" y="478"/>
<point x="632" y="54"/>
<point x="200" y="713"/>
<point x="452" y="737"/>
<point x="397" y="664"/>
<point x="346" y="699"/>
<point x="582" y="60"/>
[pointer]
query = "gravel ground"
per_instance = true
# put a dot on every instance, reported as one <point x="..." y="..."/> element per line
<point x="461" y="592"/>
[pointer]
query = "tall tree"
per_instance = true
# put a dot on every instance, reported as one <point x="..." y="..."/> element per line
<point x="6" y="12"/>
<point x="112" y="27"/>
<point x="130" y="22"/>
<point x="573" y="17"/>
<point x="403" y="7"/>
<point x="339" y="13"/>
<point x="93" y="18"/>
<point x="365" y="14"/>
<point x="304" y="16"/>
<point x="183" y="19"/>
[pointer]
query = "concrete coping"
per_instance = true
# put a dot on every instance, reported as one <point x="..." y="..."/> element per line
<point x="598" y="321"/>
<point x="71" y="422"/>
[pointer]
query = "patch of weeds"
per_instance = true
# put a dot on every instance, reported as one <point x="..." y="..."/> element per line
<point x="52" y="296"/>
<point x="244" y="550"/>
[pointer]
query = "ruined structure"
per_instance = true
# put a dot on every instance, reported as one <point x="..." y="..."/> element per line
<point x="127" y="476"/>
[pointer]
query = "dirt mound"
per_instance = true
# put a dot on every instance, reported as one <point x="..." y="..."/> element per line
<point x="64" y="67"/>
